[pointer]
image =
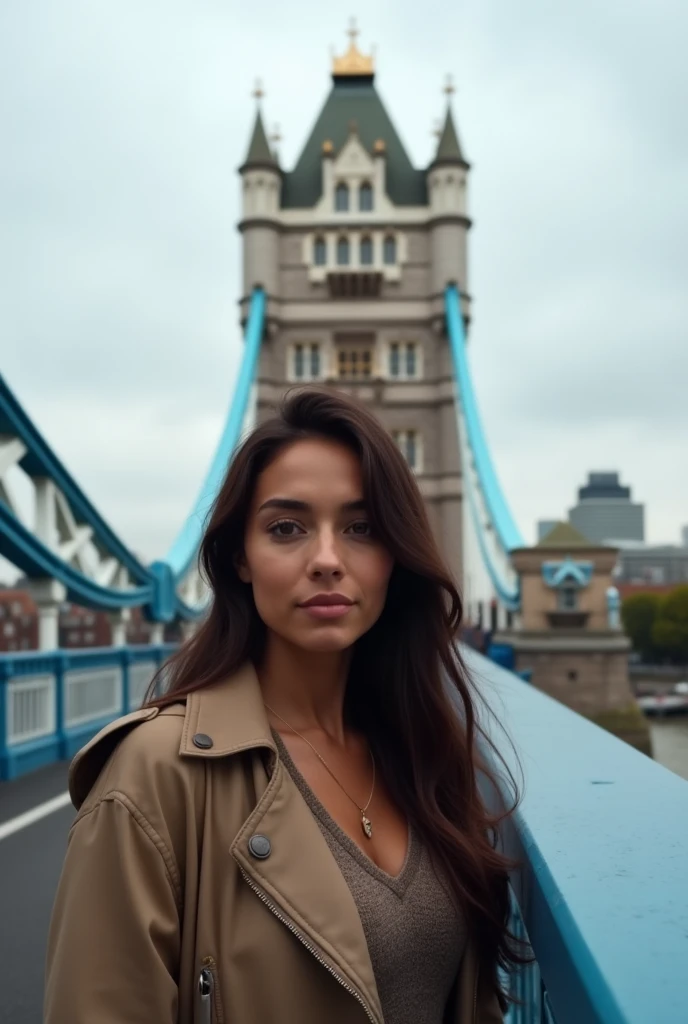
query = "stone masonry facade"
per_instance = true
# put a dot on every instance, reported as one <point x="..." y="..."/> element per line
<point x="355" y="279"/>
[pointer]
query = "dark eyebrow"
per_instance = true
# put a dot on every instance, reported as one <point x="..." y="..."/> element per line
<point x="290" y="505"/>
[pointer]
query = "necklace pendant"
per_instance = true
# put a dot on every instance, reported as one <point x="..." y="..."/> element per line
<point x="367" y="826"/>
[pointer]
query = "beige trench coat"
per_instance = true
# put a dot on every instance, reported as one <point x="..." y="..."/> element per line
<point x="169" y="911"/>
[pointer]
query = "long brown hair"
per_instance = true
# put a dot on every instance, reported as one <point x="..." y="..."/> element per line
<point x="408" y="689"/>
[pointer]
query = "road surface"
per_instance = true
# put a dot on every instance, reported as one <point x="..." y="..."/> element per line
<point x="32" y="848"/>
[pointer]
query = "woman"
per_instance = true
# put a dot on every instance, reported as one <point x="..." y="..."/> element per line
<point x="293" y="832"/>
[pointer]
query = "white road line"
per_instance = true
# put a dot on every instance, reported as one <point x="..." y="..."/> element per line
<point x="35" y="814"/>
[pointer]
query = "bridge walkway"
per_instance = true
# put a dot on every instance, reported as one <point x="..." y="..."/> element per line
<point x="33" y="837"/>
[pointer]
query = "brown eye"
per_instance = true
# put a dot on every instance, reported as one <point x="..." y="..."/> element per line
<point x="286" y="529"/>
<point x="361" y="528"/>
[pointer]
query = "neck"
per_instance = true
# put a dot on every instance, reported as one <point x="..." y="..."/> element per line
<point x="306" y="687"/>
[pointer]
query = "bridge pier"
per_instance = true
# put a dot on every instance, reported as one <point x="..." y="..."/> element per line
<point x="48" y="594"/>
<point x="157" y="633"/>
<point x="118" y="625"/>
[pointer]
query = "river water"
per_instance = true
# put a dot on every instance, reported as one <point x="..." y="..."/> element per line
<point x="670" y="742"/>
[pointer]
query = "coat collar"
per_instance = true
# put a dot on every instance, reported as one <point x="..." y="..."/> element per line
<point x="230" y="713"/>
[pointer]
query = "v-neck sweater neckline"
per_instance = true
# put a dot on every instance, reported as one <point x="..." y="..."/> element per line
<point x="398" y="883"/>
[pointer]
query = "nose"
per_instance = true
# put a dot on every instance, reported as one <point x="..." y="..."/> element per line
<point x="326" y="559"/>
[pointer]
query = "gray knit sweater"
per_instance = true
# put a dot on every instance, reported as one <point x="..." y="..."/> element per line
<point x="415" y="936"/>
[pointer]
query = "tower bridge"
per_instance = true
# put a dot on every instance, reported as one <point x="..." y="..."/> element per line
<point x="355" y="274"/>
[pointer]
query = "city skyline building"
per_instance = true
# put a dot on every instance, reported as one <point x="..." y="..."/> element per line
<point x="605" y="512"/>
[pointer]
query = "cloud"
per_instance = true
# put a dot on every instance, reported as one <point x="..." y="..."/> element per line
<point x="120" y="258"/>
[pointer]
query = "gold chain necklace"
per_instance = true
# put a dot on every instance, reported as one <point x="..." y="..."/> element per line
<point x="366" y="823"/>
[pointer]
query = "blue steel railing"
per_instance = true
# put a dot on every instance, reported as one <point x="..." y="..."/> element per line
<point x="601" y="833"/>
<point x="52" y="703"/>
<point x="602" y="837"/>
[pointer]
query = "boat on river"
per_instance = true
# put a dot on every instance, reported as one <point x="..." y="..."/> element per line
<point x="675" y="702"/>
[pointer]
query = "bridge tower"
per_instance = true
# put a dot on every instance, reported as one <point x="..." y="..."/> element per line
<point x="354" y="248"/>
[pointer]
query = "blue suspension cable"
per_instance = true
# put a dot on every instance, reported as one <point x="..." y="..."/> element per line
<point x="185" y="547"/>
<point x="501" y="519"/>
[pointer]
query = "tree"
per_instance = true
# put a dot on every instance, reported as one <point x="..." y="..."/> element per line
<point x="638" y="614"/>
<point x="670" y="628"/>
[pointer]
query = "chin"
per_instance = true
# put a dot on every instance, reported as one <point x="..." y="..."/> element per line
<point x="325" y="641"/>
<point x="324" y="646"/>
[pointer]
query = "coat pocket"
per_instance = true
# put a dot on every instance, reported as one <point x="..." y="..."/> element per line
<point x="208" y="994"/>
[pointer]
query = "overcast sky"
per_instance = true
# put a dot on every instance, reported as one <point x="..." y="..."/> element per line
<point x="122" y="128"/>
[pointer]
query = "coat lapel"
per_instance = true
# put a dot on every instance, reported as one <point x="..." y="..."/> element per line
<point x="301" y="878"/>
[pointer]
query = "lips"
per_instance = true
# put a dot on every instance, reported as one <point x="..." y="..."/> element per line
<point x="326" y="601"/>
<point x="327" y="606"/>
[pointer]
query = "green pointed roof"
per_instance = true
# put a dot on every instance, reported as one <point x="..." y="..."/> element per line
<point x="259" y="152"/>
<point x="449" y="148"/>
<point x="563" y="535"/>
<point x="354" y="99"/>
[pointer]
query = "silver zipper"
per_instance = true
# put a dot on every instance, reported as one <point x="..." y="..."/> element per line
<point x="311" y="949"/>
<point x="206" y="986"/>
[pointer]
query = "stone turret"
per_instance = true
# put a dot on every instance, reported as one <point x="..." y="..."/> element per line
<point x="260" y="223"/>
<point x="568" y="635"/>
<point x="449" y="223"/>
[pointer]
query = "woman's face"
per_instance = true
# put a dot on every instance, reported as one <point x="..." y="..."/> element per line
<point x="319" y="577"/>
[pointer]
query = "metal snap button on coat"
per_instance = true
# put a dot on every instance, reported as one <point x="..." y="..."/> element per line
<point x="259" y="846"/>
<point x="203" y="741"/>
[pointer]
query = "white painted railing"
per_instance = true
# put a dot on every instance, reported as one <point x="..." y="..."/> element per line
<point x="91" y="694"/>
<point x="30" y="708"/>
<point x="140" y="676"/>
<point x="52" y="703"/>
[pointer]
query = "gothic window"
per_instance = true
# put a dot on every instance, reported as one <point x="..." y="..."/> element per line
<point x="299" y="362"/>
<point x="343" y="256"/>
<point x="366" y="251"/>
<point x="411" y="361"/>
<point x="319" y="252"/>
<point x="341" y="198"/>
<point x="306" y="362"/>
<point x="567" y="598"/>
<point x="404" y="361"/>
<point x="365" y="197"/>
<point x="390" y="250"/>
<point x="408" y="441"/>
<point x="394" y="360"/>
<point x="354" y="363"/>
<point x="314" y="359"/>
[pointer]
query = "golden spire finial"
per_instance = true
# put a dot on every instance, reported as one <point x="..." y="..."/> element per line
<point x="449" y="88"/>
<point x="353" y="62"/>
<point x="258" y="91"/>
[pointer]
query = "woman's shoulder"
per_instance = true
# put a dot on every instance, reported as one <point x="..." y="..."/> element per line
<point x="155" y="760"/>
<point x="137" y="750"/>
